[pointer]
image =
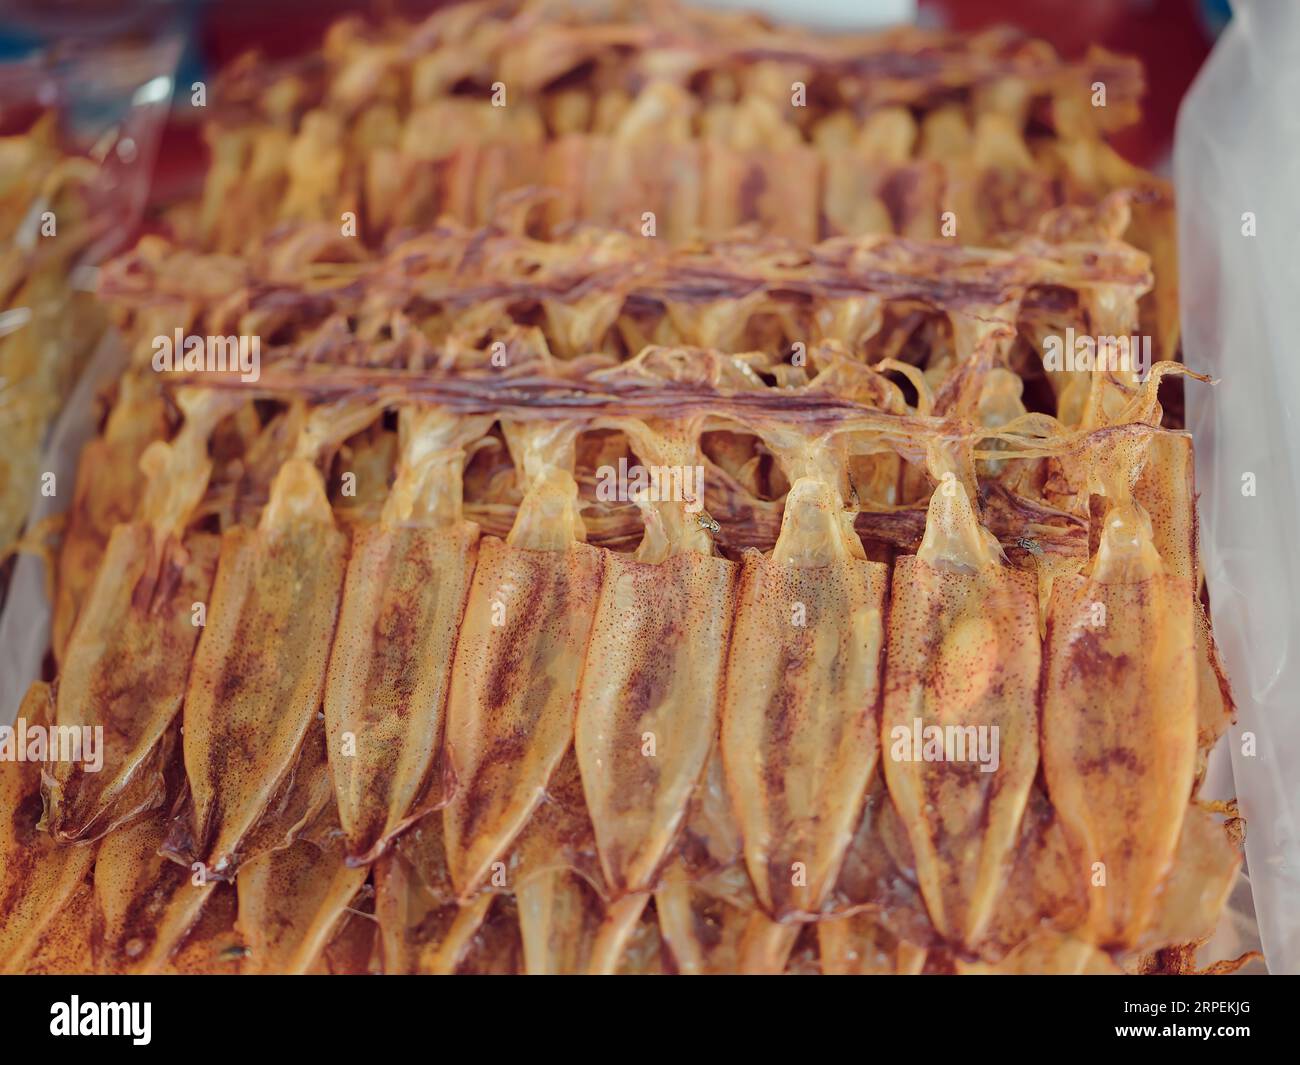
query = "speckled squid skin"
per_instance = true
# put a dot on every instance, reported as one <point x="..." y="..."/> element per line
<point x="146" y="903"/>
<point x="211" y="947"/>
<point x="1119" y="737"/>
<point x="259" y="671"/>
<point x="106" y="494"/>
<point x="1166" y="489"/>
<point x="800" y="725"/>
<point x="704" y="920"/>
<point x="567" y="929"/>
<point x="37" y="877"/>
<point x="422" y="928"/>
<point x="155" y="914"/>
<point x="292" y="901"/>
<point x="654" y="676"/>
<point x="64" y="945"/>
<point x="390" y="671"/>
<point x="859" y="945"/>
<point x="126" y="668"/>
<point x="513" y="697"/>
<point x="963" y="651"/>
<point x="128" y="657"/>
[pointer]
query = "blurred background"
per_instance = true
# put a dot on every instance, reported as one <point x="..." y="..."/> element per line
<point x="1171" y="37"/>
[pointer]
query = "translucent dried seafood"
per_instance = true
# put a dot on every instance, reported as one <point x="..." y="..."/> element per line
<point x="800" y="722"/>
<point x="109" y="481"/>
<point x="649" y="701"/>
<point x="403" y="598"/>
<point x="707" y="120"/>
<point x="519" y="659"/>
<point x="1125" y="629"/>
<point x="560" y="598"/>
<point x="759" y="757"/>
<point x="964" y="660"/>
<point x="248" y="706"/>
<point x="671" y="122"/>
<point x="458" y="297"/>
<point x="127" y="660"/>
<point x="38" y="878"/>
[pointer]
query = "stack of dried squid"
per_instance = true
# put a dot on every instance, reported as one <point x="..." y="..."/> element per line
<point x="396" y="742"/>
<point x="389" y="684"/>
<point x="679" y="122"/>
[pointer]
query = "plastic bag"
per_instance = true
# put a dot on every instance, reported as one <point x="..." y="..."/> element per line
<point x="1237" y="152"/>
<point x="103" y="93"/>
<point x="80" y="124"/>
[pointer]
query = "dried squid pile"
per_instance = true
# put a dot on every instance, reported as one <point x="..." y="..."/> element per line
<point x="636" y="115"/>
<point x="389" y="681"/>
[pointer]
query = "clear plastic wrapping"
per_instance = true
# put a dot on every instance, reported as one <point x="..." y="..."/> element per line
<point x="80" y="125"/>
<point x="1236" y="154"/>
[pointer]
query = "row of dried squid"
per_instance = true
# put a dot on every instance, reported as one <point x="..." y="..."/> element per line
<point x="616" y="110"/>
<point x="410" y="746"/>
<point x="705" y="121"/>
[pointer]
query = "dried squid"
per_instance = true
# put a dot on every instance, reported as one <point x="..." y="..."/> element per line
<point x="407" y="581"/>
<point x="1120" y="715"/>
<point x="259" y="670"/>
<point x="648" y="706"/>
<point x="800" y="718"/>
<point x="960" y="718"/>
<point x="128" y="658"/>
<point x="519" y="659"/>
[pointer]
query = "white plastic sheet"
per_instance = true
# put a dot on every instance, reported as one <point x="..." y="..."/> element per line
<point x="25" y="618"/>
<point x="1237" y="174"/>
<point x="846" y="15"/>
<point x="112" y="94"/>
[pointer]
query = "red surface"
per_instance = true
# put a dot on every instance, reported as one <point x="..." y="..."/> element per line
<point x="277" y="29"/>
<point x="1165" y="35"/>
